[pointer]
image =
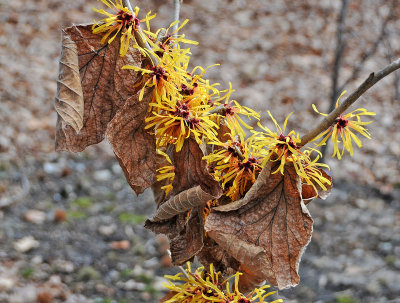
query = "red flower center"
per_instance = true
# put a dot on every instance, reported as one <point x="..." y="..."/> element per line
<point x="228" y="110"/>
<point x="126" y="19"/>
<point x="186" y="91"/>
<point x="282" y="138"/>
<point x="248" y="165"/>
<point x="159" y="73"/>
<point x="182" y="110"/>
<point x="233" y="151"/>
<point x="341" y="122"/>
<point x="193" y="122"/>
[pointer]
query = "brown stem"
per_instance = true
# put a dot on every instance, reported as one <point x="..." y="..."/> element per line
<point x="238" y="152"/>
<point x="220" y="109"/>
<point x="140" y="40"/>
<point x="341" y="44"/>
<point x="374" y="47"/>
<point x="127" y="3"/>
<point x="330" y="119"/>
<point x="177" y="9"/>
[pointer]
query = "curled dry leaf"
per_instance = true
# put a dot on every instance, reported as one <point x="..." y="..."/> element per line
<point x="133" y="146"/>
<point x="69" y="97"/>
<point x="188" y="199"/>
<point x="105" y="86"/>
<point x="191" y="179"/>
<point x="268" y="229"/>
<point x="171" y="227"/>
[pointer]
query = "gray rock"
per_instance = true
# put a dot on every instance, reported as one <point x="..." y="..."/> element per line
<point x="107" y="230"/>
<point x="102" y="175"/>
<point x="131" y="285"/>
<point x="25" y="244"/>
<point x="35" y="216"/>
<point x="6" y="283"/>
<point x="64" y="266"/>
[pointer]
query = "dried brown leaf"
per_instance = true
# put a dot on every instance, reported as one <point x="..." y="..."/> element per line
<point x="191" y="198"/>
<point x="133" y="146"/>
<point x="69" y="97"/>
<point x="189" y="242"/>
<point x="171" y="227"/>
<point x="191" y="170"/>
<point x="105" y="86"/>
<point x="185" y="235"/>
<point x="223" y="132"/>
<point x="168" y="296"/>
<point x="159" y="193"/>
<point x="248" y="280"/>
<point x="270" y="231"/>
<point x="212" y="253"/>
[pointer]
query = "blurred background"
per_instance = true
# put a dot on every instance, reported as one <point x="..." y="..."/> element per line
<point x="70" y="226"/>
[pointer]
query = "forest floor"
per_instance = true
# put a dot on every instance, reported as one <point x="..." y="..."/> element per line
<point x="71" y="229"/>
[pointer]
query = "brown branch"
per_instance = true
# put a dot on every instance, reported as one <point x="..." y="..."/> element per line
<point x="160" y="36"/>
<point x="372" y="50"/>
<point x="127" y="3"/>
<point x="368" y="83"/>
<point x="220" y="110"/>
<point x="177" y="9"/>
<point x="339" y="52"/>
<point x="238" y="152"/>
<point x="396" y="82"/>
<point x="140" y="40"/>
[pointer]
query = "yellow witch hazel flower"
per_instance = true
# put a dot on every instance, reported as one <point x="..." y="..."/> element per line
<point x="236" y="165"/>
<point x="170" y="42"/>
<point x="342" y="130"/>
<point x="310" y="170"/>
<point x="173" y="123"/>
<point x="202" y="286"/>
<point x="279" y="147"/>
<point x="276" y="146"/>
<point x="231" y="111"/>
<point x="164" y="77"/>
<point x="166" y="172"/>
<point x="122" y="20"/>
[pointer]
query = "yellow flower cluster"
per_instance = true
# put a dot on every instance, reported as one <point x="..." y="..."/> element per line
<point x="202" y="286"/>
<point x="236" y="164"/>
<point x="121" y="20"/>
<point x="284" y="148"/>
<point x="185" y="105"/>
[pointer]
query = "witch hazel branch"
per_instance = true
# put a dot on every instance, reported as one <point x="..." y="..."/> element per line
<point x="233" y="196"/>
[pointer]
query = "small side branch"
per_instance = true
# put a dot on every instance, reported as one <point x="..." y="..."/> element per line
<point x="368" y="83"/>
<point x="238" y="152"/>
<point x="390" y="56"/>
<point x="127" y="3"/>
<point x="374" y="47"/>
<point x="339" y="52"/>
<point x="177" y="9"/>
